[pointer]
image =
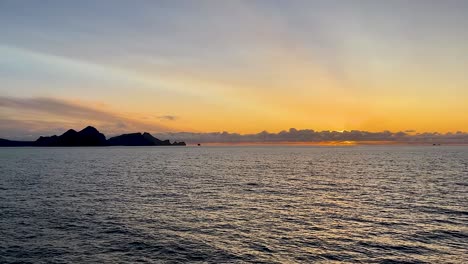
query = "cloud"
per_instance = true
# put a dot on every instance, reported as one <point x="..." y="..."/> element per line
<point x="54" y="107"/>
<point x="30" y="129"/>
<point x="168" y="117"/>
<point x="310" y="136"/>
<point x="30" y="117"/>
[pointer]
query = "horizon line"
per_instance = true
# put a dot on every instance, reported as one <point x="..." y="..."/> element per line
<point x="295" y="136"/>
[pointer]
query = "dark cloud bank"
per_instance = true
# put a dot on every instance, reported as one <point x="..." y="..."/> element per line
<point x="311" y="136"/>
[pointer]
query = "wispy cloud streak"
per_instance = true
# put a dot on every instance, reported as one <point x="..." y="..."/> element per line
<point x="31" y="117"/>
<point x="168" y="117"/>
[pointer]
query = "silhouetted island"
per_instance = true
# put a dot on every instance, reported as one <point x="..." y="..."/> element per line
<point x="90" y="136"/>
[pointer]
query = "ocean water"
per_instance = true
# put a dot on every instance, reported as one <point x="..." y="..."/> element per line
<point x="234" y="205"/>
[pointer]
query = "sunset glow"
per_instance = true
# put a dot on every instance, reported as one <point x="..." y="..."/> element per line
<point x="234" y="66"/>
<point x="234" y="131"/>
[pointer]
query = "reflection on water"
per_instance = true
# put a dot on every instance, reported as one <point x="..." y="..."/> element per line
<point x="234" y="204"/>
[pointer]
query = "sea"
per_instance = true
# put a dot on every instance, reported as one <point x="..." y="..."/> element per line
<point x="234" y="204"/>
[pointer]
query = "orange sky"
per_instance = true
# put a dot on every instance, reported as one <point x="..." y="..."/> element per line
<point x="240" y="66"/>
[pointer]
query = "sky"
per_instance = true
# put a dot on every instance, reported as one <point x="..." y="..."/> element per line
<point x="237" y="66"/>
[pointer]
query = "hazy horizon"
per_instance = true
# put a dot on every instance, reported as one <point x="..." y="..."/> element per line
<point x="291" y="136"/>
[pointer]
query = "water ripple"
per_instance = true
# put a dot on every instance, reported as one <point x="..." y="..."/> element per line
<point x="234" y="205"/>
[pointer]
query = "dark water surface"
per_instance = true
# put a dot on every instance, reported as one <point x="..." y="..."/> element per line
<point x="234" y="205"/>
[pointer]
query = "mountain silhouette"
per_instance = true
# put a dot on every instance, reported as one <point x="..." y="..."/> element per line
<point x="138" y="139"/>
<point x="90" y="136"/>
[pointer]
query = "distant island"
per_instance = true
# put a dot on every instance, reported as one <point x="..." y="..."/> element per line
<point x="90" y="136"/>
